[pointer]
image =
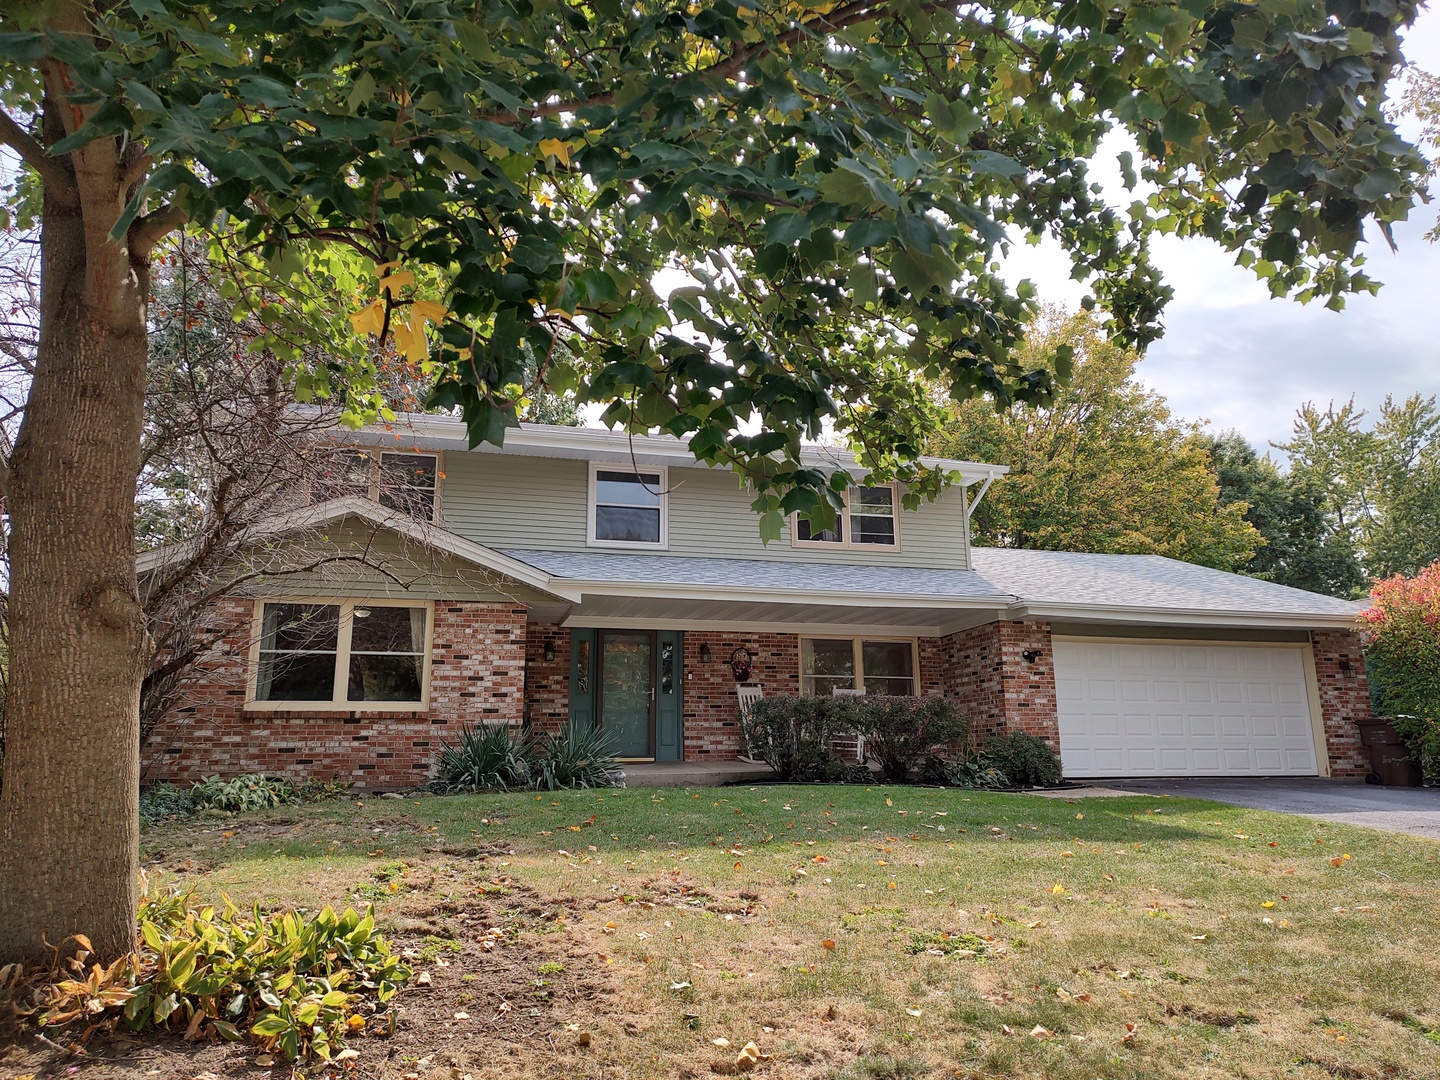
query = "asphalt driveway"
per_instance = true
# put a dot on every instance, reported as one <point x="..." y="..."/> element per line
<point x="1407" y="810"/>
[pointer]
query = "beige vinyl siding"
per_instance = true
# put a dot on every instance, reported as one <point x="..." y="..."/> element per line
<point x="521" y="502"/>
<point x="414" y="572"/>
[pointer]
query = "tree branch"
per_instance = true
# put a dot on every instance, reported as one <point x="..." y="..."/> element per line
<point x="58" y="181"/>
<point x="149" y="230"/>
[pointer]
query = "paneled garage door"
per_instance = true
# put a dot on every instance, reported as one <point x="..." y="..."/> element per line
<point x="1183" y="710"/>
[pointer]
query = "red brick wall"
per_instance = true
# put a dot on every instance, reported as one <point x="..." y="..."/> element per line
<point x="1029" y="686"/>
<point x="971" y="678"/>
<point x="712" y="726"/>
<point x="1344" y="698"/>
<point x="477" y="675"/>
<point x="547" y="683"/>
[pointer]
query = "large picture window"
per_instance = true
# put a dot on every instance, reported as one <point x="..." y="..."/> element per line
<point x="857" y="665"/>
<point x="627" y="508"/>
<point x="870" y="517"/>
<point x="408" y="482"/>
<point x="351" y="654"/>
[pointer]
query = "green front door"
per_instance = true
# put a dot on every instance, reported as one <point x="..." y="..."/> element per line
<point x="627" y="692"/>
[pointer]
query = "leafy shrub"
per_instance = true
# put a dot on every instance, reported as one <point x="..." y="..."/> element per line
<point x="1402" y="647"/>
<point x="292" y="982"/>
<point x="495" y="758"/>
<point x="486" y="758"/>
<point x="793" y="735"/>
<point x="970" y="773"/>
<point x="898" y="730"/>
<point x="249" y="791"/>
<point x="575" y="758"/>
<point x="1026" y="761"/>
<point x="160" y="802"/>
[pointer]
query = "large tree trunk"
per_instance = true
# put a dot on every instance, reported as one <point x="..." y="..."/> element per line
<point x="69" y="836"/>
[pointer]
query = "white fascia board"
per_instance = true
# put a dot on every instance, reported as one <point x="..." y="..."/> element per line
<point x="1187" y="616"/>
<point x="838" y="598"/>
<point x="601" y="444"/>
<point x="431" y="536"/>
<point x="749" y="626"/>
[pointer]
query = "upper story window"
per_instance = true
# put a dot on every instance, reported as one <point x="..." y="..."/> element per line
<point x="404" y="481"/>
<point x="628" y="508"/>
<point x="870" y="517"/>
<point x="348" y="654"/>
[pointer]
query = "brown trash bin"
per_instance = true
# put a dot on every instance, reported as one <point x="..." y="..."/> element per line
<point x="1390" y="760"/>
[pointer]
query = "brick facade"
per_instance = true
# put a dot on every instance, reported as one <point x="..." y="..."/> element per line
<point x="711" y="717"/>
<point x="477" y="676"/>
<point x="490" y="666"/>
<point x="1344" y="698"/>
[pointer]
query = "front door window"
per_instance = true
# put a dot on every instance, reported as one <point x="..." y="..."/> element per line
<point x="627" y="693"/>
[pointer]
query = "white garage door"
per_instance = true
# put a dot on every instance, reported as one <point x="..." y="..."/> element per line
<point x="1183" y="710"/>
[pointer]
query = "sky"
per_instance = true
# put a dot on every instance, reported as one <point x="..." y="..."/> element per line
<point x="1238" y="359"/>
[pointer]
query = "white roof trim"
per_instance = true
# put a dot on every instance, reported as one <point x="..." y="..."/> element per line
<point x="601" y="444"/>
<point x="1117" y="613"/>
<point x="431" y="536"/>
<point x="837" y="597"/>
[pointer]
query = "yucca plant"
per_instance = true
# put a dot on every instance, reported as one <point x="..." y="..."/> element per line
<point x="575" y="758"/>
<point x="486" y="758"/>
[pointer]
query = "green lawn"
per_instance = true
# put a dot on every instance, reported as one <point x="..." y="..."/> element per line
<point x="863" y="932"/>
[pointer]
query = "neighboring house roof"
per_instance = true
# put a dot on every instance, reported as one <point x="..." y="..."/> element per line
<point x="429" y="432"/>
<point x="433" y="537"/>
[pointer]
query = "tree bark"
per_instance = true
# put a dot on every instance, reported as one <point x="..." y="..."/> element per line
<point x="69" y="834"/>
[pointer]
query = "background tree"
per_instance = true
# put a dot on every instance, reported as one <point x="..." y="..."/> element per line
<point x="1104" y="468"/>
<point x="835" y="181"/>
<point x="1379" y="487"/>
<point x="1302" y="546"/>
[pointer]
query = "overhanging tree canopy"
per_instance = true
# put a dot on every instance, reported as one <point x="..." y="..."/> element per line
<point x="835" y="179"/>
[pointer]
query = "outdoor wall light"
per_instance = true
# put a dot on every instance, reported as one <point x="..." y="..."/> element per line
<point x="1031" y="655"/>
<point x="705" y="654"/>
<point x="1347" y="670"/>
<point x="549" y="652"/>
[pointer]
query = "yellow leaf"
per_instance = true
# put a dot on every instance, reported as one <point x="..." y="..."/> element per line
<point x="557" y="149"/>
<point x="1057" y="889"/>
<point x="355" y="1022"/>
<point x="1268" y="904"/>
<point x="892" y="885"/>
<point x="381" y="269"/>
<point x="410" y="341"/>
<point x="369" y="319"/>
<point x="428" y="310"/>
<point x="393" y="283"/>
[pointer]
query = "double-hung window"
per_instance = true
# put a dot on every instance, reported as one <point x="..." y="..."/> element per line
<point x="348" y="654"/>
<point x="869" y="518"/>
<point x="863" y="665"/>
<point x="628" y="507"/>
<point x="404" y="481"/>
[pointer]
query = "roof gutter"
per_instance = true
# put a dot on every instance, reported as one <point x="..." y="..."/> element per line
<point x="1115" y="613"/>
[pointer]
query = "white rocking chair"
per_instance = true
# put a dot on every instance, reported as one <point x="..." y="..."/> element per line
<point x="746" y="696"/>
<point x="859" y="738"/>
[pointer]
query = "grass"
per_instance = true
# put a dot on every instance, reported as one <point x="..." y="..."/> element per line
<point x="869" y="932"/>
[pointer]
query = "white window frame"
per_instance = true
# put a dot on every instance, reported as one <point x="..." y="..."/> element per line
<point x="375" y="456"/>
<point x="339" y="702"/>
<point x="597" y="467"/>
<point x="843" y="516"/>
<point x="857" y="645"/>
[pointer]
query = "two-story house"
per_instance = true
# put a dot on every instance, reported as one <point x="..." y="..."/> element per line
<point x="581" y="576"/>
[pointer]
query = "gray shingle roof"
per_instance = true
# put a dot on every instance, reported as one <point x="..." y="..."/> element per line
<point x="1150" y="581"/>
<point x="1002" y="577"/>
<point x="786" y="575"/>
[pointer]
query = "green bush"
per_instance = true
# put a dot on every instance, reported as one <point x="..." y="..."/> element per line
<point x="1024" y="760"/>
<point x="575" y="758"/>
<point x="486" y="758"/>
<point x="969" y="773"/>
<point x="160" y="802"/>
<point x="898" y="730"/>
<point x="495" y="758"/>
<point x="793" y="735"/>
<point x="249" y="791"/>
<point x="294" y="983"/>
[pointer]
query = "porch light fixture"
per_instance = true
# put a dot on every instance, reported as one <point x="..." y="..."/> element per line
<point x="1347" y="670"/>
<point x="705" y="654"/>
<point x="549" y="652"/>
<point x="1031" y="655"/>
